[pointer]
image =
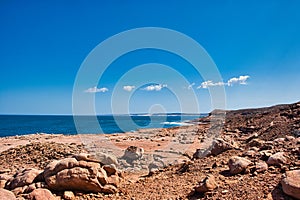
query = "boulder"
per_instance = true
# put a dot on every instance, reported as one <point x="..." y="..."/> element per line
<point x="133" y="153"/>
<point x="25" y="177"/>
<point x="238" y="164"/>
<point x="277" y="159"/>
<point x="207" y="184"/>
<point x="7" y="195"/>
<point x="291" y="183"/>
<point x="70" y="174"/>
<point x="41" y="194"/>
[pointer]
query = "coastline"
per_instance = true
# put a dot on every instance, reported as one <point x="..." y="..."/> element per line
<point x="182" y="157"/>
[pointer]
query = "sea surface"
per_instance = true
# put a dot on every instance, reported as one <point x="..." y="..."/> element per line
<point x="11" y="125"/>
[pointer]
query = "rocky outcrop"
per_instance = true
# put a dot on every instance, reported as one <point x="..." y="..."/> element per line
<point x="80" y="175"/>
<point x="291" y="183"/>
<point x="25" y="177"/>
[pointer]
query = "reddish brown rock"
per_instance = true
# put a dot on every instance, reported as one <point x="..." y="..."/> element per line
<point x="291" y="183"/>
<point x="7" y="195"/>
<point x="114" y="180"/>
<point x="41" y="194"/>
<point x="238" y="164"/>
<point x="69" y="195"/>
<point x="109" y="189"/>
<point x="261" y="166"/>
<point x="73" y="175"/>
<point x="25" y="177"/>
<point x="218" y="146"/>
<point x="3" y="179"/>
<point x="208" y="184"/>
<point x="277" y="159"/>
<point x="110" y="169"/>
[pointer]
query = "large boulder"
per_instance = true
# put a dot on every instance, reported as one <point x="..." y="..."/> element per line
<point x="7" y="195"/>
<point x="24" y="177"/>
<point x="291" y="183"/>
<point x="238" y="164"/>
<point x="70" y="174"/>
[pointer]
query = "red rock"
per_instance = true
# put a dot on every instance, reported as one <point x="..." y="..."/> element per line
<point x="7" y="195"/>
<point x="277" y="159"/>
<point x="71" y="175"/>
<point x="26" y="177"/>
<point x="261" y="166"/>
<point x="291" y="183"/>
<point x="208" y="184"/>
<point x="68" y="195"/>
<point x="238" y="164"/>
<point x="110" y="169"/>
<point x="41" y="194"/>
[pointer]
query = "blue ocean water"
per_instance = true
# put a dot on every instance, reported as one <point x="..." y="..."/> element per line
<point x="11" y="125"/>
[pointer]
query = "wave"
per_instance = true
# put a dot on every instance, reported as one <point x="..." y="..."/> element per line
<point x="177" y="123"/>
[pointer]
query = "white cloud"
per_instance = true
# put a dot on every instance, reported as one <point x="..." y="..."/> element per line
<point x="190" y="86"/>
<point x="128" y="88"/>
<point x="208" y="84"/>
<point x="156" y="87"/>
<point x="95" y="90"/>
<point x="240" y="80"/>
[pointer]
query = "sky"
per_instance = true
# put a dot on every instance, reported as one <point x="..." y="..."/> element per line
<point x="254" y="44"/>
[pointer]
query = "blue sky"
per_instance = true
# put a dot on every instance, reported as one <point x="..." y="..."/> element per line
<point x="43" y="44"/>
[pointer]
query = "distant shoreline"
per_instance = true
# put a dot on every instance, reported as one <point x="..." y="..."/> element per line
<point x="13" y="125"/>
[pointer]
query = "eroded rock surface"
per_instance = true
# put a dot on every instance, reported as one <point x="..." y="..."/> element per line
<point x="79" y="175"/>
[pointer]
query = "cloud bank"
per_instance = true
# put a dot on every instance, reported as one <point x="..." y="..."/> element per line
<point x="242" y="80"/>
<point x="96" y="90"/>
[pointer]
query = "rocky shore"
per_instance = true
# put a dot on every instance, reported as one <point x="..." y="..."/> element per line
<point x="247" y="154"/>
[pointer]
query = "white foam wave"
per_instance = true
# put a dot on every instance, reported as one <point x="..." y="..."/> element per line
<point x="177" y="123"/>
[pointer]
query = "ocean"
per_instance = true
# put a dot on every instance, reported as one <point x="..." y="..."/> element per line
<point x="11" y="125"/>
